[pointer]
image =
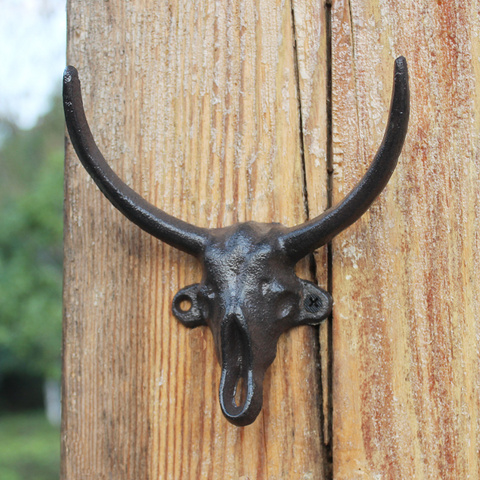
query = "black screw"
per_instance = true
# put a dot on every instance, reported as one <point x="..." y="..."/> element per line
<point x="313" y="303"/>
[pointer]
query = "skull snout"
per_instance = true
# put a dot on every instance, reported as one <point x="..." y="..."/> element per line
<point x="241" y="387"/>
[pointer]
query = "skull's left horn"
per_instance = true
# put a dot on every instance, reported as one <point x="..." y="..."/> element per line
<point x="301" y="240"/>
<point x="171" y="230"/>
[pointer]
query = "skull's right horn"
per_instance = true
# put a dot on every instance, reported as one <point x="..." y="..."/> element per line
<point x="301" y="240"/>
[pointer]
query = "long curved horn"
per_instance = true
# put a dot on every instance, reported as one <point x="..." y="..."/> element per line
<point x="299" y="241"/>
<point x="171" y="230"/>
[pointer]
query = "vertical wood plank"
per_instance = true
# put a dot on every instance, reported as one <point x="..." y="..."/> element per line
<point x="195" y="106"/>
<point x="311" y="51"/>
<point x="406" y="331"/>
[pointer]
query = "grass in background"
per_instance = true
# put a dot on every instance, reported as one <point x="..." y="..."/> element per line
<point x="29" y="447"/>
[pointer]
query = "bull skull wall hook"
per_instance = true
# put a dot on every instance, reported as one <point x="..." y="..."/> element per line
<point x="249" y="294"/>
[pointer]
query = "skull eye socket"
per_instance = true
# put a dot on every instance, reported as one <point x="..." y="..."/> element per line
<point x="206" y="295"/>
<point x="272" y="287"/>
<point x="206" y="300"/>
<point x="287" y="305"/>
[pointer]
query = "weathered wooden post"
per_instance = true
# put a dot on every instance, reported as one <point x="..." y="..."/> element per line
<point x="220" y="112"/>
<point x="406" y="344"/>
<point x="196" y="106"/>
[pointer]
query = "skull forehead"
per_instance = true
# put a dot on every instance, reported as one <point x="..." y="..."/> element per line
<point x="242" y="247"/>
<point x="242" y="250"/>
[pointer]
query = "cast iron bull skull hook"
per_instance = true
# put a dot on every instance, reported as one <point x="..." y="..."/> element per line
<point x="249" y="294"/>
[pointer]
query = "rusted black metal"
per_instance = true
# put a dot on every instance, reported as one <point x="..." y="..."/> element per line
<point x="249" y="294"/>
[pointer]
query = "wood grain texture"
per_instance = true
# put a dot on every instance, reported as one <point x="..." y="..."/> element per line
<point x="311" y="50"/>
<point x="196" y="106"/>
<point x="406" y="324"/>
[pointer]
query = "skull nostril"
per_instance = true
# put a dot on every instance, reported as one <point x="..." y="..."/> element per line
<point x="240" y="392"/>
<point x="235" y="388"/>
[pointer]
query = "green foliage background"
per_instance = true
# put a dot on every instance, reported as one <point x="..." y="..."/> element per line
<point x="31" y="218"/>
<point x="29" y="448"/>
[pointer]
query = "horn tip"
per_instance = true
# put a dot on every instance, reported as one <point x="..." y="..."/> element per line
<point x="70" y="74"/>
<point x="401" y="65"/>
<point x="400" y="76"/>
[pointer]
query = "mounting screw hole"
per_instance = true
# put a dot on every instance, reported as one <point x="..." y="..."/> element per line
<point x="184" y="303"/>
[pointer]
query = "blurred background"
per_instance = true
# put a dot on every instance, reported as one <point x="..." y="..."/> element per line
<point x="32" y="53"/>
